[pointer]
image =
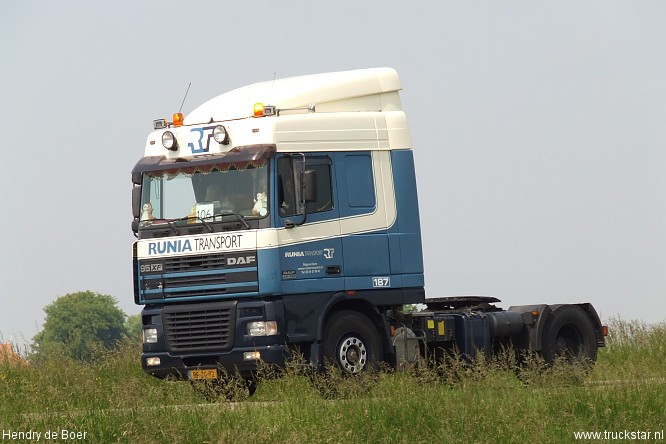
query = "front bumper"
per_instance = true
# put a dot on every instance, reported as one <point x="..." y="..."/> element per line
<point x="212" y="335"/>
<point x="232" y="362"/>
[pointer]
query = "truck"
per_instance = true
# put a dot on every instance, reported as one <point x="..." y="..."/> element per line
<point x="282" y="217"/>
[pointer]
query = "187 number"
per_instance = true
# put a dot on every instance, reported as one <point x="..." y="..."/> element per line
<point x="381" y="282"/>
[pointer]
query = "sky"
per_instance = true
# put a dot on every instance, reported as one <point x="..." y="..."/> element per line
<point x="539" y="135"/>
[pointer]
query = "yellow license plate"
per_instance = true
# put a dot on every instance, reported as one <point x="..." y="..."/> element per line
<point x="198" y="375"/>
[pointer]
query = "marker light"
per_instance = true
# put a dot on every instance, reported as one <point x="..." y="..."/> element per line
<point x="169" y="141"/>
<point x="220" y="135"/>
<point x="178" y="119"/>
<point x="159" y="124"/>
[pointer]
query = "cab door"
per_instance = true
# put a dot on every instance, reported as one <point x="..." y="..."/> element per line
<point x="310" y="247"/>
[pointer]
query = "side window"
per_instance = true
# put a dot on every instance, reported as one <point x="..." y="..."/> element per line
<point x="324" y="201"/>
<point x="360" y="183"/>
<point x="289" y="171"/>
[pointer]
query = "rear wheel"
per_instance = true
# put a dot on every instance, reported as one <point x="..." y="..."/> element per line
<point x="569" y="334"/>
<point x="351" y="342"/>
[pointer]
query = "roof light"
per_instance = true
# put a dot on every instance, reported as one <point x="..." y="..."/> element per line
<point x="159" y="124"/>
<point x="178" y="119"/>
<point x="169" y="141"/>
<point x="220" y="135"/>
<point x="260" y="110"/>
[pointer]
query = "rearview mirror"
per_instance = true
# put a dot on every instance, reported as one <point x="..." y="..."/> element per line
<point x="136" y="202"/>
<point x="310" y="186"/>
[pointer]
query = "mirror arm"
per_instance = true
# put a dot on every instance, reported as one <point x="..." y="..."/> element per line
<point x="302" y="196"/>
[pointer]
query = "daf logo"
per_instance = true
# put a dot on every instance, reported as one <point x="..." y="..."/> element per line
<point x="241" y="260"/>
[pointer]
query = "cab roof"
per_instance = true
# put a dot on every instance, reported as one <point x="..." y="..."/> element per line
<point x="373" y="89"/>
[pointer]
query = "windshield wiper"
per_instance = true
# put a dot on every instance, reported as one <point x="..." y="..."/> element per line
<point x="172" y="225"/>
<point x="203" y="222"/>
<point x="239" y="217"/>
<point x="242" y="220"/>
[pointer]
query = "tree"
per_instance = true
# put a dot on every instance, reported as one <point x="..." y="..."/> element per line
<point x="78" y="324"/>
<point x="133" y="327"/>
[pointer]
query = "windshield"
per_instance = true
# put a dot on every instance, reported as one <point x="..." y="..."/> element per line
<point x="204" y="194"/>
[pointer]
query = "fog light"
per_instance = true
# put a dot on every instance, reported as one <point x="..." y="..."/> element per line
<point x="149" y="335"/>
<point x="251" y="356"/>
<point x="152" y="362"/>
<point x="262" y="328"/>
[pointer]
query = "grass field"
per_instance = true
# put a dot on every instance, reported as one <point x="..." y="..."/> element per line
<point x="111" y="400"/>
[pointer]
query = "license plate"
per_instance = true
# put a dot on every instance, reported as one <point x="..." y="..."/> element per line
<point x="199" y="375"/>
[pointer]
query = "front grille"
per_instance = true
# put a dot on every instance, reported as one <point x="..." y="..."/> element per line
<point x="195" y="263"/>
<point x="200" y="327"/>
<point x="189" y="280"/>
<point x="198" y="276"/>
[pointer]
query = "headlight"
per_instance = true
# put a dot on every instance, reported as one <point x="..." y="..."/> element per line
<point x="149" y="335"/>
<point x="169" y="141"/>
<point x="262" y="328"/>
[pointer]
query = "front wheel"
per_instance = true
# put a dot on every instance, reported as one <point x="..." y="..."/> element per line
<point x="351" y="342"/>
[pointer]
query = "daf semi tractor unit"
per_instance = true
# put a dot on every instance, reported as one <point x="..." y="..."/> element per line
<point x="284" y="216"/>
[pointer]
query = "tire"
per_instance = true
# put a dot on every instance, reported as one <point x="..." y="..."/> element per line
<point x="569" y="333"/>
<point x="351" y="342"/>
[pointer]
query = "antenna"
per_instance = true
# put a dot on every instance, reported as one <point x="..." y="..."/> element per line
<point x="183" y="103"/>
<point x="270" y="98"/>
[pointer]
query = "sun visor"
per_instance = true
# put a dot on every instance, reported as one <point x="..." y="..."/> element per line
<point x="251" y="156"/>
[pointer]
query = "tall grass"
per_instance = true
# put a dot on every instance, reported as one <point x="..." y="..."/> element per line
<point x="634" y="350"/>
<point x="112" y="400"/>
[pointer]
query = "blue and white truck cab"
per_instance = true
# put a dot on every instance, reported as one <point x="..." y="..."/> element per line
<point x="284" y="215"/>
